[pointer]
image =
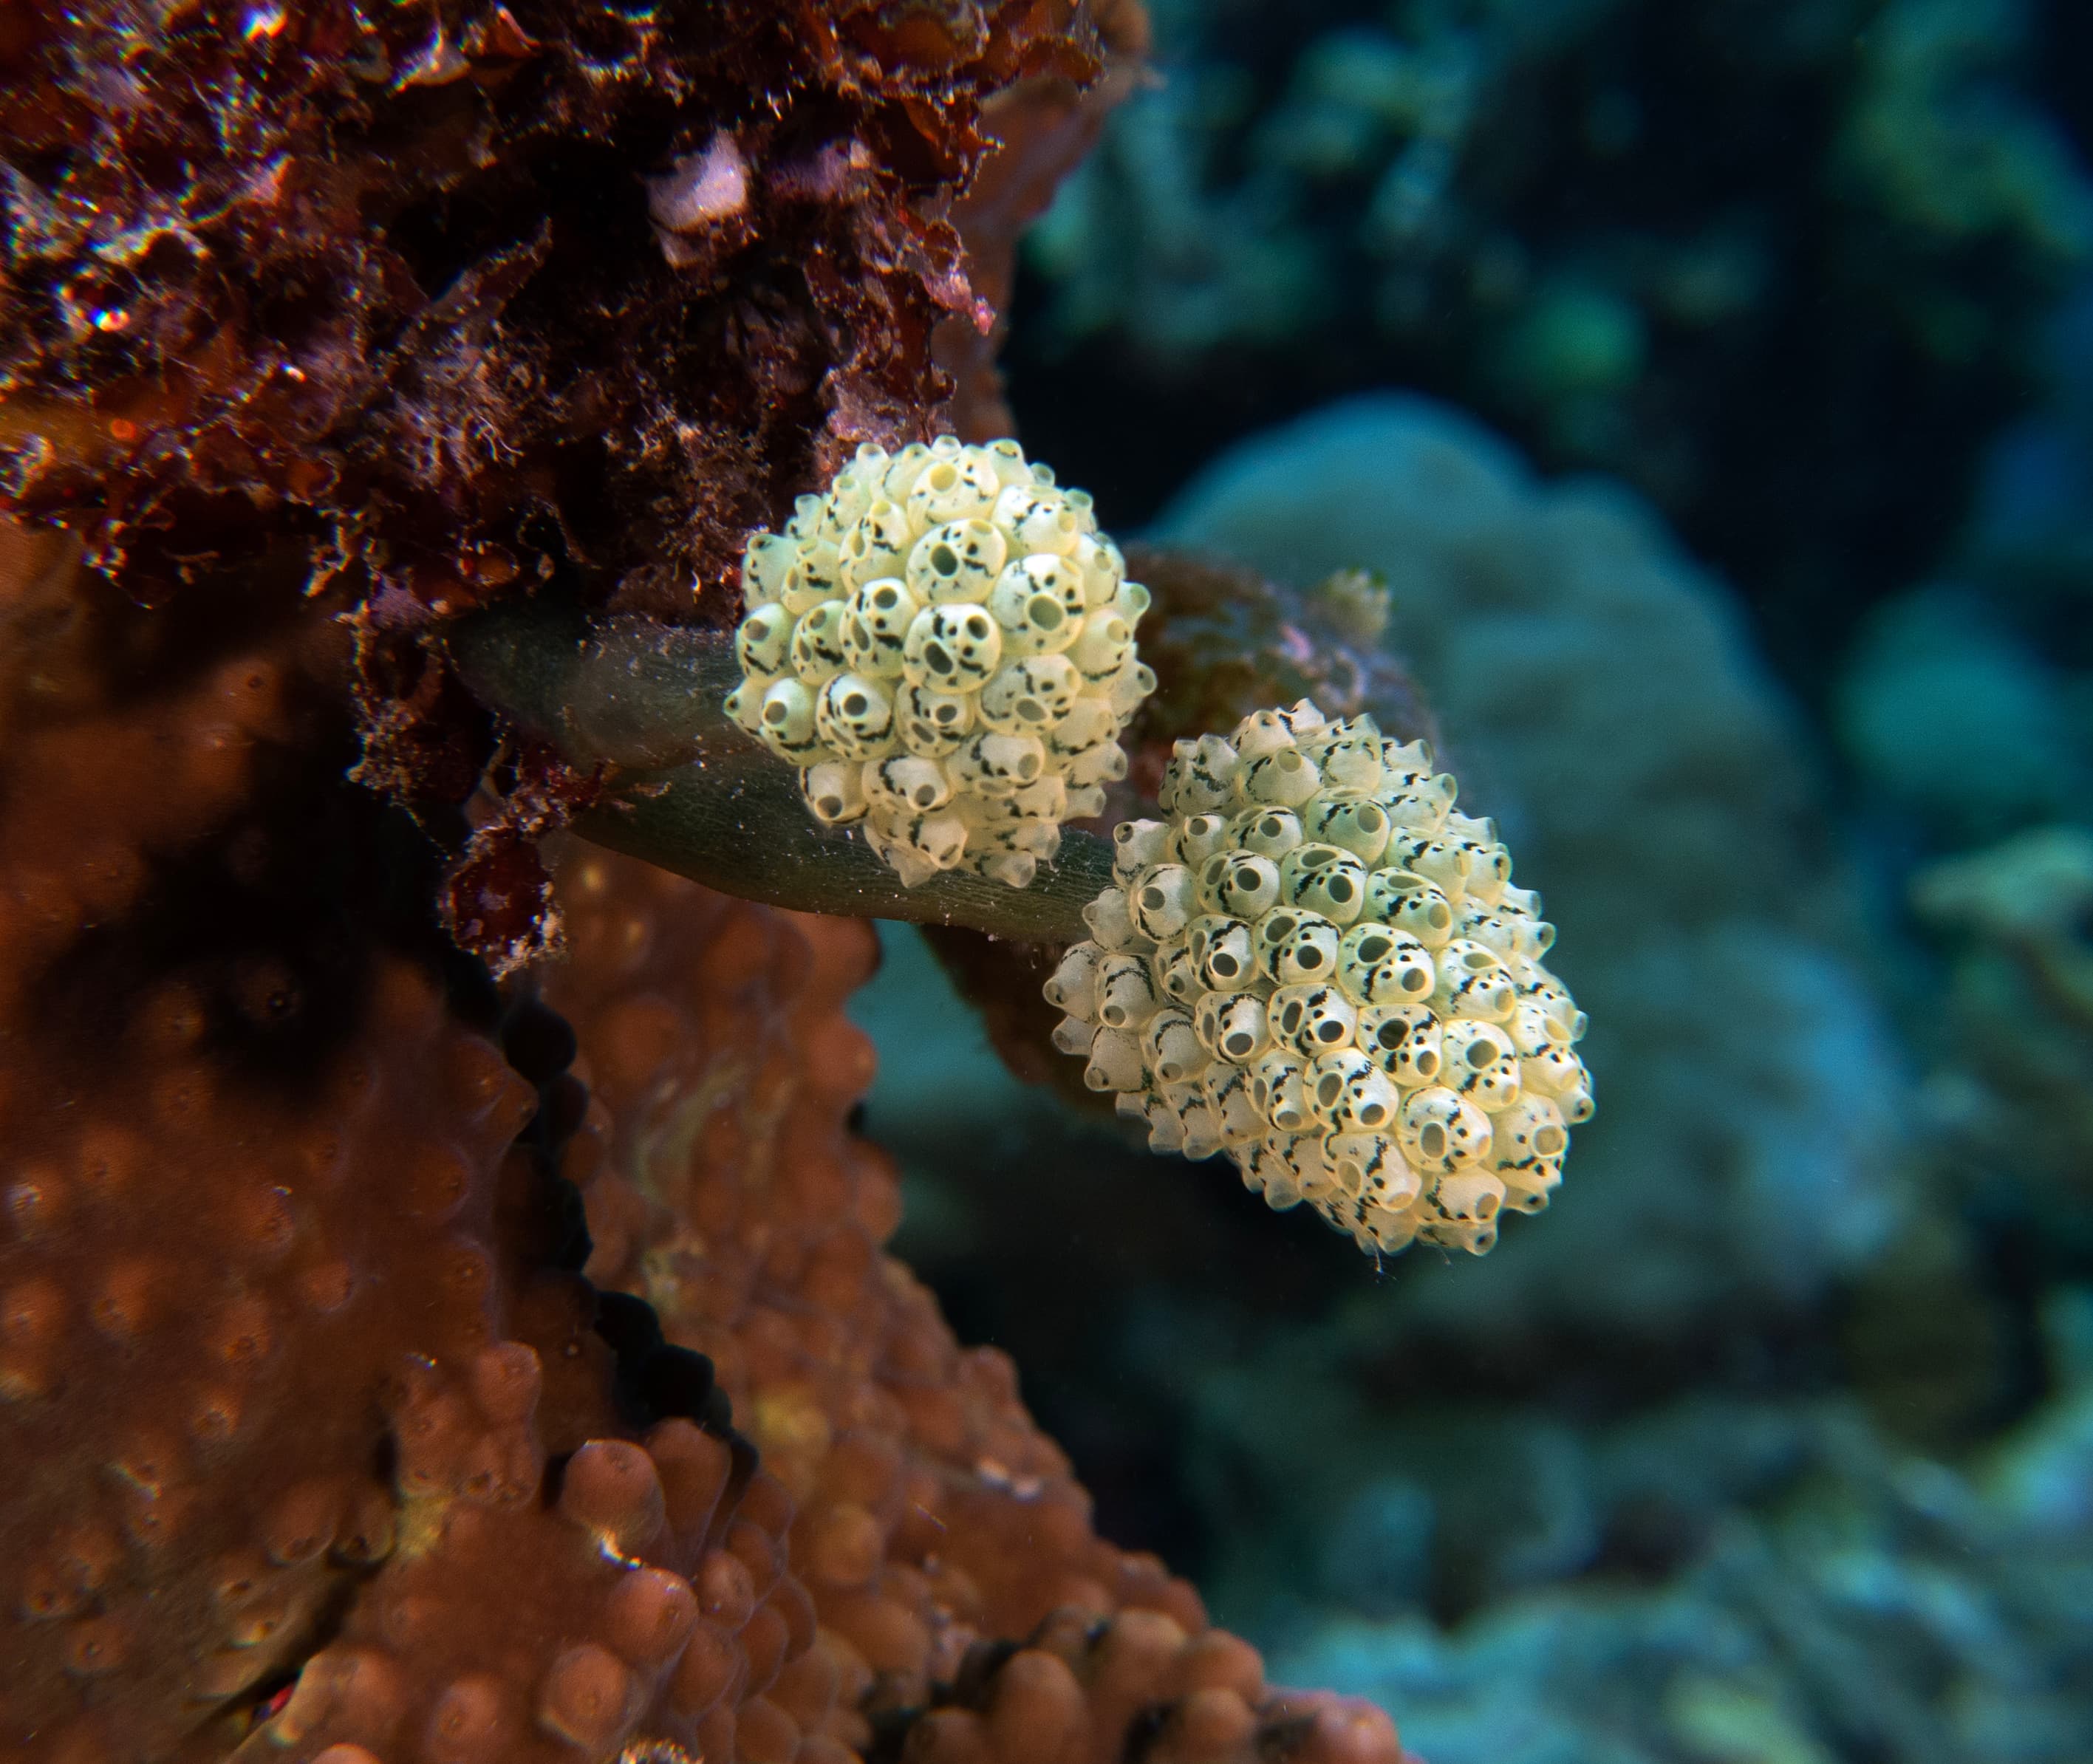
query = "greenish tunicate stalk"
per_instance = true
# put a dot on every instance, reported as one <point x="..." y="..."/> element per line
<point x="694" y="795"/>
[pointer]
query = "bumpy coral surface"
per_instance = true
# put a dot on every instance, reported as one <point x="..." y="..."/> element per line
<point x="1321" y="967"/>
<point x="944" y="644"/>
<point x="964" y="1608"/>
<point x="315" y="1433"/>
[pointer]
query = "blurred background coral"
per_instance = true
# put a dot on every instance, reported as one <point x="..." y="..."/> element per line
<point x="1711" y="385"/>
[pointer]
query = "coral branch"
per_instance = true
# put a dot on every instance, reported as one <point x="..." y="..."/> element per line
<point x="966" y="1611"/>
<point x="709" y="802"/>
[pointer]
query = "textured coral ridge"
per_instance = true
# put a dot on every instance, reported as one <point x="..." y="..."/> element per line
<point x="944" y="644"/>
<point x="965" y="1610"/>
<point x="310" y="1428"/>
<point x="1321" y="967"/>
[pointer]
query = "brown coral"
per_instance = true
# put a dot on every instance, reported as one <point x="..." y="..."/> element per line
<point x="1042" y="127"/>
<point x="326" y="1446"/>
<point x="332" y="1453"/>
<point x="963" y="1598"/>
<point x="459" y="292"/>
<point x="289" y="1359"/>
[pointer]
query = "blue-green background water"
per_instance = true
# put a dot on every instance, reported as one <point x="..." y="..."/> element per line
<point x="1712" y="380"/>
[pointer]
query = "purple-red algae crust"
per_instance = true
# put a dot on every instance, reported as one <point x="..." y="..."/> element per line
<point x="456" y="293"/>
<point x="424" y="305"/>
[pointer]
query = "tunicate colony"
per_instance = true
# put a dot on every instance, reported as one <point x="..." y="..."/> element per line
<point x="1319" y="966"/>
<point x="943" y="644"/>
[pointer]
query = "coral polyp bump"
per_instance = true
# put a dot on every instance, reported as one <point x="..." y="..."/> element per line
<point x="1319" y="966"/>
<point x="943" y="644"/>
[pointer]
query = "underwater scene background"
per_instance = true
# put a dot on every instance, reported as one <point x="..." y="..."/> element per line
<point x="596" y="598"/>
<point x="1712" y="386"/>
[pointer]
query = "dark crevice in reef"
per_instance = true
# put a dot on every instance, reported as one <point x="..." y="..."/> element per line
<point x="653" y="1379"/>
<point x="274" y="922"/>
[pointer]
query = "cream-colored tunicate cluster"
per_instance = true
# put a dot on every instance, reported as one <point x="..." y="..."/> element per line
<point x="1319" y="966"/>
<point x="943" y="644"/>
